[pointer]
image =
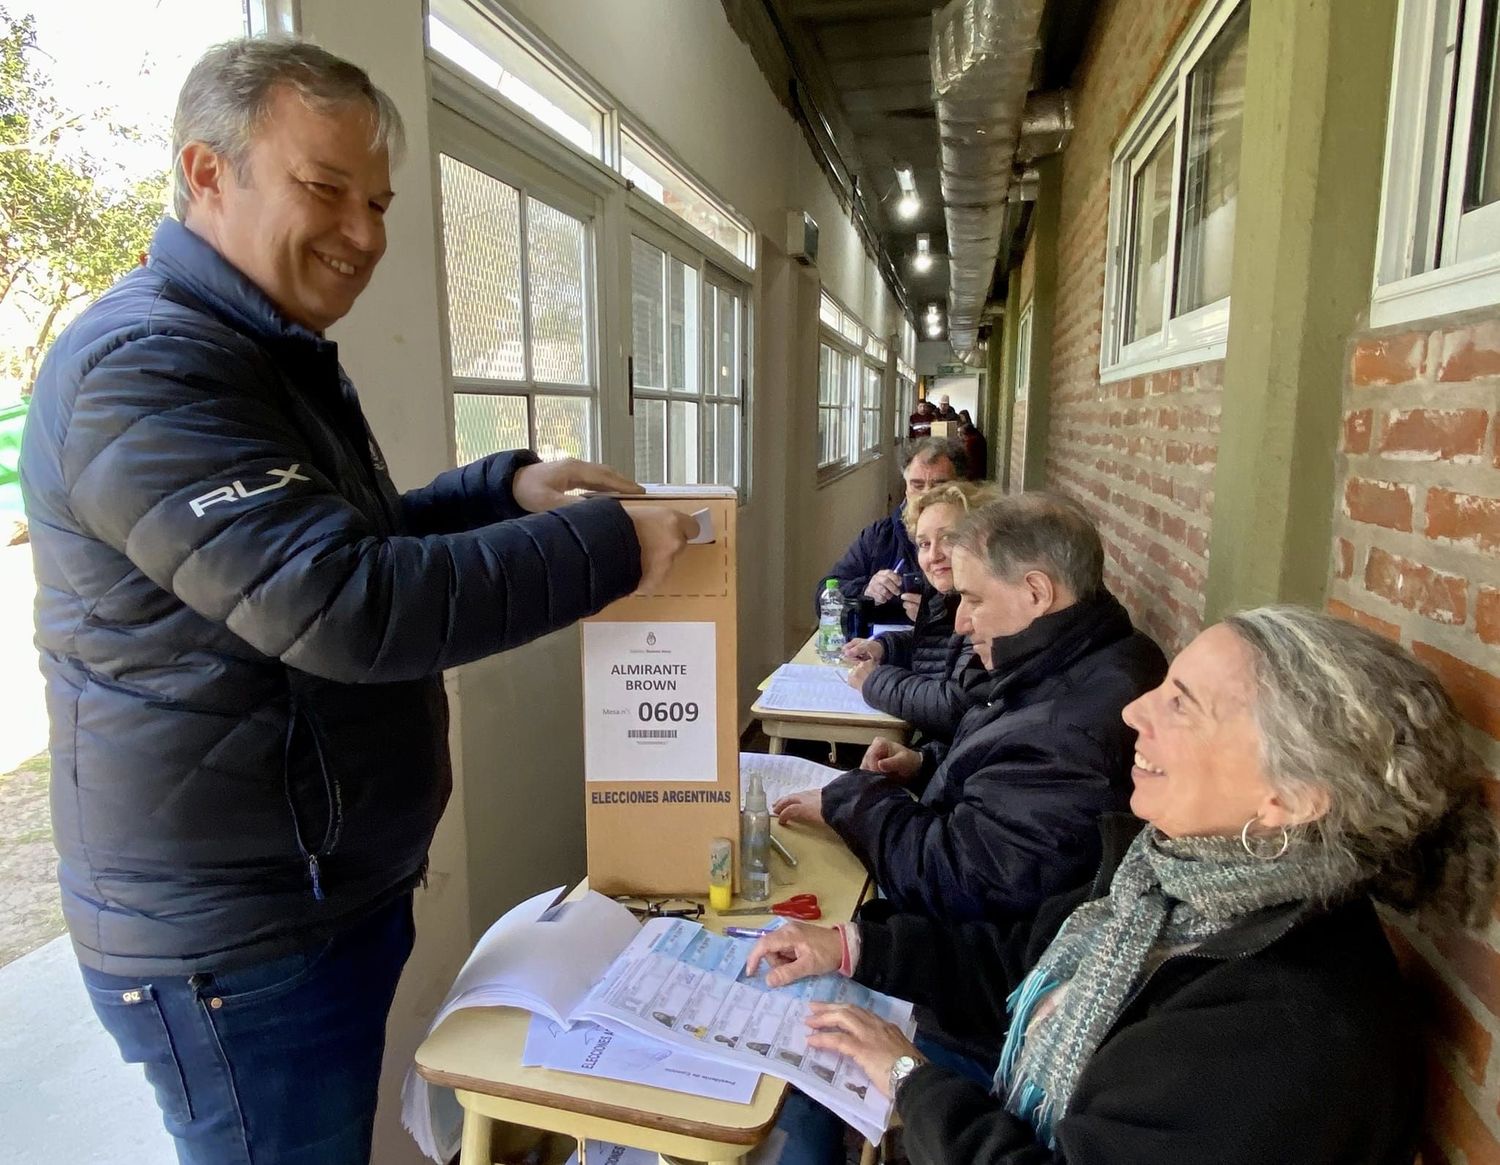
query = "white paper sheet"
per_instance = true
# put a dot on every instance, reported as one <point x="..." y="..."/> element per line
<point x="783" y="775"/>
<point x="883" y="628"/>
<point x="812" y="673"/>
<point x="783" y="695"/>
<point x="604" y="1153"/>
<point x="622" y="1054"/>
<point x="650" y="702"/>
<point x="686" y="986"/>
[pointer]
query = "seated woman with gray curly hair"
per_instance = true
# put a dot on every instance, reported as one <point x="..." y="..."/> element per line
<point x="1223" y="991"/>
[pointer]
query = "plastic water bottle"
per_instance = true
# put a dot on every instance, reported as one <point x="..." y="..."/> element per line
<point x="755" y="844"/>
<point x="831" y="623"/>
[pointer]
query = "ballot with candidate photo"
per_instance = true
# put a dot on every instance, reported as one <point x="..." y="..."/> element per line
<point x="660" y="713"/>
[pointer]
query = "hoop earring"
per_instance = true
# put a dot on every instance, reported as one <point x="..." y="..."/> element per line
<point x="1255" y="851"/>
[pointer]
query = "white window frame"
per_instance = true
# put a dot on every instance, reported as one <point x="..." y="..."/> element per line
<point x="1023" y="353"/>
<point x="1197" y="336"/>
<point x="273" y="17"/>
<point x="478" y="147"/>
<point x="1432" y="258"/>
<point x="840" y="331"/>
<point x="711" y="277"/>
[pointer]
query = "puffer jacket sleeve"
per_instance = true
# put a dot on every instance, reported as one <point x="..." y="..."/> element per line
<point x="213" y="496"/>
<point x="473" y="495"/>
<point x="1024" y="829"/>
<point x="932" y="704"/>
<point x="897" y="648"/>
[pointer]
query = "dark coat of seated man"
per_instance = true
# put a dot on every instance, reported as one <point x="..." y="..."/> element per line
<point x="993" y="824"/>
<point x="873" y="565"/>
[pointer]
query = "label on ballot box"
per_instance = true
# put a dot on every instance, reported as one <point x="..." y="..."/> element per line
<point x="650" y="711"/>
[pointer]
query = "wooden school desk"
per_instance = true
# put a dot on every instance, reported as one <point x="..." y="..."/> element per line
<point x="834" y="727"/>
<point x="477" y="1052"/>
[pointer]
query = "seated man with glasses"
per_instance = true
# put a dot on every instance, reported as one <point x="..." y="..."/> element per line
<point x="873" y="566"/>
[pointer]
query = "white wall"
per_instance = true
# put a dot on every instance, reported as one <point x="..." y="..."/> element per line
<point x="515" y="823"/>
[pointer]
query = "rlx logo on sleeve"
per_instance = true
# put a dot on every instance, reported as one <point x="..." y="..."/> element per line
<point x="236" y="490"/>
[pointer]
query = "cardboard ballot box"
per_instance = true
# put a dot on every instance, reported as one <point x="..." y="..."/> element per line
<point x="661" y="714"/>
<point x="944" y="428"/>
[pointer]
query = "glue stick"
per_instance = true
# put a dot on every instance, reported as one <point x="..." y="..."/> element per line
<point x="720" y="873"/>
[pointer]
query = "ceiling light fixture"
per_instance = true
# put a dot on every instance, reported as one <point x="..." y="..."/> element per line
<point x="908" y="204"/>
<point x="922" y="261"/>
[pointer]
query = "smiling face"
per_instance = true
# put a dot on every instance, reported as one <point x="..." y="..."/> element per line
<point x="305" y="219"/>
<point x="934" y="544"/>
<point x="1198" y="748"/>
<point x="990" y="608"/>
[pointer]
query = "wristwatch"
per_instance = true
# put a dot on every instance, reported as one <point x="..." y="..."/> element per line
<point x="900" y="1070"/>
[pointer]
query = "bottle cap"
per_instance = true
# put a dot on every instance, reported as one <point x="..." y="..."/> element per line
<point x="755" y="797"/>
<point x="830" y="584"/>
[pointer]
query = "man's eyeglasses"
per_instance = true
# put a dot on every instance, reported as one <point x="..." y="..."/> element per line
<point x="661" y="907"/>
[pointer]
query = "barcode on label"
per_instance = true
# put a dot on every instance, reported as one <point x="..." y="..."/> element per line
<point x="651" y="733"/>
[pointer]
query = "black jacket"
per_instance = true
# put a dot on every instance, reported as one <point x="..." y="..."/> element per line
<point x="1286" y="1039"/>
<point x="243" y="625"/>
<point x="924" y="676"/>
<point x="1007" y="815"/>
<point x="882" y="545"/>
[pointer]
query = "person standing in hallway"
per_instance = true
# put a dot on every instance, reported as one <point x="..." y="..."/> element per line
<point x="243" y="624"/>
<point x="976" y="446"/>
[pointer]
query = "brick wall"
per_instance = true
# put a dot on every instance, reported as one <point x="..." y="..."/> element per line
<point x="1416" y="556"/>
<point x="1139" y="453"/>
<point x="1017" y="446"/>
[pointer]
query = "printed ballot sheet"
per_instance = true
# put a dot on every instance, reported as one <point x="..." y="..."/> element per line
<point x="687" y="987"/>
<point x="648" y="699"/>
<point x="782" y="774"/>
<point x="813" y="689"/>
<point x="590" y="1050"/>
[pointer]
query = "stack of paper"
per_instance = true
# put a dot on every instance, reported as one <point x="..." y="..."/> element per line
<point x="812" y="687"/>
<point x="673" y="994"/>
<point x="782" y="775"/>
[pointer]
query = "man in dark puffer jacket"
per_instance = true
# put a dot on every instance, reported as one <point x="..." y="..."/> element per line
<point x="243" y="624"/>
<point x="1004" y="817"/>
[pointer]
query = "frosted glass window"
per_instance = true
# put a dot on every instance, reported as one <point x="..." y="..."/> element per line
<point x="482" y="258"/>
<point x="556" y="247"/>
<point x="488" y="424"/>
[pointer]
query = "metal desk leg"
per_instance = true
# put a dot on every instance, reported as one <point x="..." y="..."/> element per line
<point x="474" y="1149"/>
<point x="778" y="745"/>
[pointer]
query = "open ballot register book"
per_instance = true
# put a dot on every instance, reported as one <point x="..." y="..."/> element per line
<point x="660" y="712"/>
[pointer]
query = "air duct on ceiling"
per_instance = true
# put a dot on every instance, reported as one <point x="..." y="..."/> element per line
<point x="982" y="56"/>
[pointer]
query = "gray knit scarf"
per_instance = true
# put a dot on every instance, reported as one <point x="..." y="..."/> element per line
<point x="1167" y="893"/>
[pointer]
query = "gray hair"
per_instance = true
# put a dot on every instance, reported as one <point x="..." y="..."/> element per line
<point x="228" y="93"/>
<point x="932" y="448"/>
<point x="1345" y="711"/>
<point x="1038" y="530"/>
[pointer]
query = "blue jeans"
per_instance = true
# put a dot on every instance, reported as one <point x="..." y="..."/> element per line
<point x="815" y="1136"/>
<point x="274" y="1062"/>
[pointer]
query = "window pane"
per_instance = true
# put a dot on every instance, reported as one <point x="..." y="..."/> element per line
<point x="651" y="440"/>
<point x="555" y="246"/>
<point x="727" y="330"/>
<point x="563" y="428"/>
<point x="828" y="312"/>
<point x="721" y="444"/>
<point x="1484" y="152"/>
<point x="1151" y="211"/>
<point x="660" y="181"/>
<point x="1211" y="176"/>
<point x="648" y="314"/>
<point x="486" y="424"/>
<point x="482" y="257"/>
<point x="499" y="61"/>
<point x="682" y="338"/>
<point x="682" y="442"/>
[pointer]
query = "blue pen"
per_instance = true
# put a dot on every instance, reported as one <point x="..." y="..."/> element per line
<point x="744" y="931"/>
<point x="900" y="567"/>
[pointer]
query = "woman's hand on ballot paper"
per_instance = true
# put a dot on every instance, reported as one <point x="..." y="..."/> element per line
<point x="893" y="761"/>
<point x="662" y="534"/>
<point x="795" y="951"/>
<point x="858" y="649"/>
<point x="545" y="486"/>
<point x="806" y="807"/>
<point x="871" y="1042"/>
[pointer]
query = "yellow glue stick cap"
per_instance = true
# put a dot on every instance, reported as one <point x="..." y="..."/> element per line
<point x="720" y="897"/>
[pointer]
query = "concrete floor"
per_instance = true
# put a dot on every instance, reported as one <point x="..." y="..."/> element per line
<point x="65" y="1094"/>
